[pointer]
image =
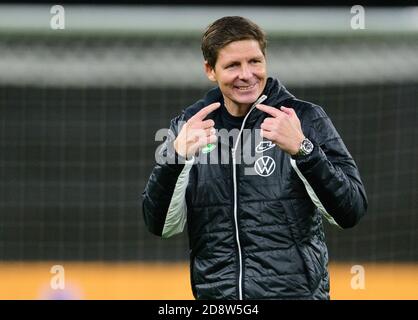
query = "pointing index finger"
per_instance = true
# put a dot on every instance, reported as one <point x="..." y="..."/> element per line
<point x="270" y="110"/>
<point x="202" y="114"/>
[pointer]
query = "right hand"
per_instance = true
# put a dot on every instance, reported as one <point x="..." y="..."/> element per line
<point x="196" y="132"/>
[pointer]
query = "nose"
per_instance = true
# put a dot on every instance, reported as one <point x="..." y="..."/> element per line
<point x="245" y="72"/>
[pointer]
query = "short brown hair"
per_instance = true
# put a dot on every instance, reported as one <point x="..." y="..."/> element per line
<point x="226" y="30"/>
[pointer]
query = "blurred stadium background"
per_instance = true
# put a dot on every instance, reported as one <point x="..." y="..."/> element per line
<point x="79" y="109"/>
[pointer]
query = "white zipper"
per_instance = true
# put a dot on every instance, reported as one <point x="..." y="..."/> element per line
<point x="234" y="170"/>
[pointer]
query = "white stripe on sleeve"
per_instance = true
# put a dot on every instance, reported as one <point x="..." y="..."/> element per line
<point x="313" y="195"/>
<point x="177" y="211"/>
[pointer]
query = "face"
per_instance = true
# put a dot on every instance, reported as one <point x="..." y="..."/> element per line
<point x="240" y="72"/>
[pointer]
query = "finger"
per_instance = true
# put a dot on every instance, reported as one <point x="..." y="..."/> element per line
<point x="207" y="124"/>
<point x="204" y="141"/>
<point x="210" y="131"/>
<point x="288" y="111"/>
<point x="201" y="136"/>
<point x="267" y="134"/>
<point x="205" y="111"/>
<point x="202" y="133"/>
<point x="201" y="141"/>
<point x="270" y="110"/>
<point x="212" y="139"/>
<point x="270" y="120"/>
<point x="267" y="126"/>
<point x="193" y="135"/>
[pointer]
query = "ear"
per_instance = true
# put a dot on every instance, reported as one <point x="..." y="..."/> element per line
<point x="210" y="72"/>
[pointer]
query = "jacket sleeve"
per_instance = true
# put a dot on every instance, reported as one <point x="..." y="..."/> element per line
<point x="163" y="200"/>
<point x="331" y="176"/>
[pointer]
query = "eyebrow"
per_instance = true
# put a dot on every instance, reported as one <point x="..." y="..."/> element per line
<point x="259" y="57"/>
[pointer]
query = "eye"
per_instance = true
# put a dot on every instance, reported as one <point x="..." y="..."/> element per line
<point x="254" y="61"/>
<point x="232" y="65"/>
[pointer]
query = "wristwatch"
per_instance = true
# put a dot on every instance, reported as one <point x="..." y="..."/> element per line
<point x="305" y="148"/>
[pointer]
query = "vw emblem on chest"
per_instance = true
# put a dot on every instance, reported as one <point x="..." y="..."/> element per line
<point x="265" y="166"/>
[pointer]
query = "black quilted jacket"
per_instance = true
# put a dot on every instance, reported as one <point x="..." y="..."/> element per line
<point x="255" y="225"/>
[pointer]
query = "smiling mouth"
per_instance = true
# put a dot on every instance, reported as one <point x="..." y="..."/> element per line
<point x="245" y="88"/>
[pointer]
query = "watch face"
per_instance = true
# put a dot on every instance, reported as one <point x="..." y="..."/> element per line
<point x="307" y="146"/>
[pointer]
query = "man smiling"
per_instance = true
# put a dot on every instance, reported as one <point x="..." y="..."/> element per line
<point x="240" y="72"/>
<point x="253" y="234"/>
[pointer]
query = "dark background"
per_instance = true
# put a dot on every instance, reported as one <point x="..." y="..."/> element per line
<point x="75" y="161"/>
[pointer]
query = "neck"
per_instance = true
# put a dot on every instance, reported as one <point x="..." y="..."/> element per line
<point x="237" y="110"/>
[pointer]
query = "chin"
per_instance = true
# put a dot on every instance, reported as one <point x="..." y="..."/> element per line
<point x="247" y="99"/>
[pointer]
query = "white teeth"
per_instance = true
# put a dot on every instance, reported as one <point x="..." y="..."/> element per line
<point x="246" y="88"/>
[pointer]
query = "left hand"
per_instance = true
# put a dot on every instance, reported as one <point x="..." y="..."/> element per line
<point x="283" y="128"/>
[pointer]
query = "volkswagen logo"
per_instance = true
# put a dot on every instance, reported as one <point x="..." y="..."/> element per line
<point x="265" y="166"/>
